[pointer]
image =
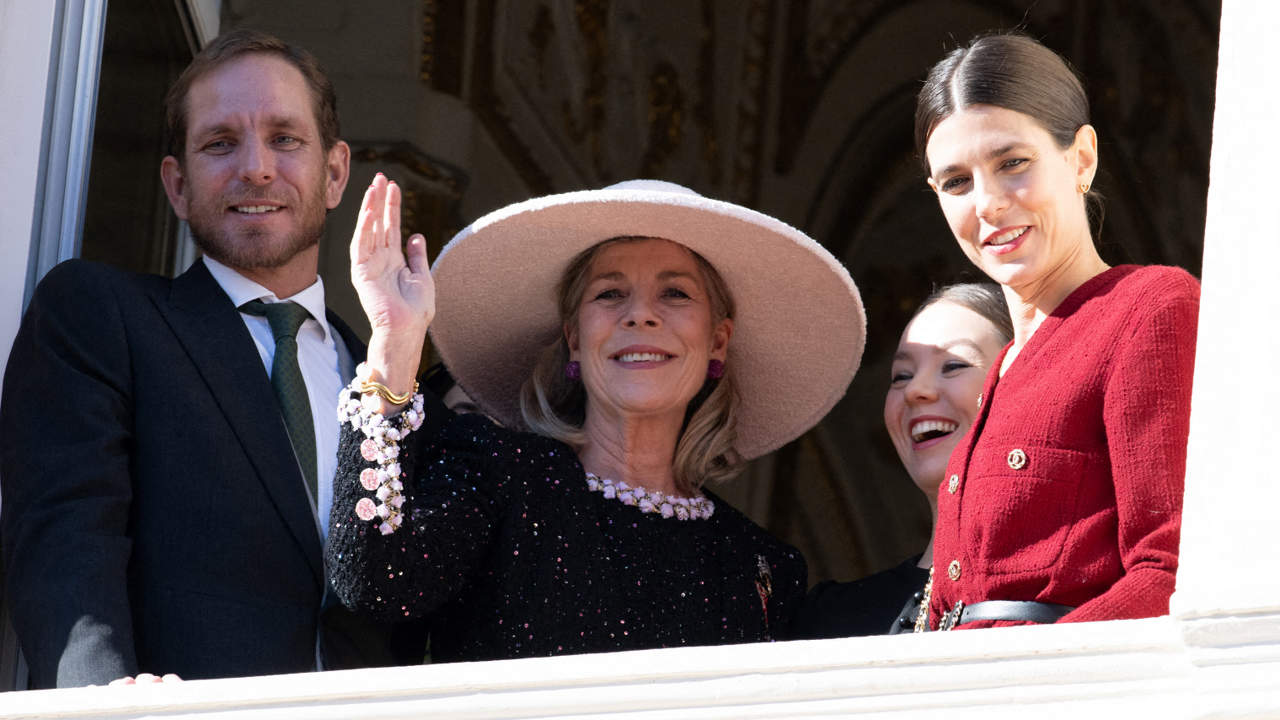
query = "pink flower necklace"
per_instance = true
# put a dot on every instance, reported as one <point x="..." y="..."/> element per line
<point x="652" y="501"/>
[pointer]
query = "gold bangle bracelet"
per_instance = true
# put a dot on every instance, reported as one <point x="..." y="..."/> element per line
<point x="384" y="392"/>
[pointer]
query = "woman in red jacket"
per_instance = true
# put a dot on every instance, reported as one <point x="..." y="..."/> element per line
<point x="1063" y="502"/>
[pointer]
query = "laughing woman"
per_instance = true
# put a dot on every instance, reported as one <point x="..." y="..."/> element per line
<point x="649" y="339"/>
<point x="936" y="376"/>
<point x="1064" y="501"/>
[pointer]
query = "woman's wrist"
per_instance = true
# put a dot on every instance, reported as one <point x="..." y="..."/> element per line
<point x="393" y="358"/>
<point x="391" y="361"/>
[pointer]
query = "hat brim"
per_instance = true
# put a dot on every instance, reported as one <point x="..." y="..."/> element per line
<point x="799" y="326"/>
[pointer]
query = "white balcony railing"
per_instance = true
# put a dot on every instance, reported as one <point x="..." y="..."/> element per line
<point x="1221" y="667"/>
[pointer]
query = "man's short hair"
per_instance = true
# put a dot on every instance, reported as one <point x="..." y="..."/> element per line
<point x="231" y="45"/>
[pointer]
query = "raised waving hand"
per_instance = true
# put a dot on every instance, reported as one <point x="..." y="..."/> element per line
<point x="394" y="286"/>
<point x="395" y="290"/>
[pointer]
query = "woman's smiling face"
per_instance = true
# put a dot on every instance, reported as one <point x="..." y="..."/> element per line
<point x="938" y="372"/>
<point x="644" y="333"/>
<point x="1011" y="196"/>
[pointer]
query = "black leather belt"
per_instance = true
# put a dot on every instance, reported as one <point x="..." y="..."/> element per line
<point x="1021" y="610"/>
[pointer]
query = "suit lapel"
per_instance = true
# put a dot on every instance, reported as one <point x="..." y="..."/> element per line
<point x="209" y="327"/>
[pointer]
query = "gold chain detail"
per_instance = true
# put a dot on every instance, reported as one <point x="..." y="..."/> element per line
<point x="922" y="616"/>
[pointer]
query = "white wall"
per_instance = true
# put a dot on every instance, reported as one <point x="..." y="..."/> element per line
<point x="26" y="37"/>
<point x="1229" y="526"/>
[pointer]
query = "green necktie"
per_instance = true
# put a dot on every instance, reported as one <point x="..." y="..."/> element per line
<point x="286" y="379"/>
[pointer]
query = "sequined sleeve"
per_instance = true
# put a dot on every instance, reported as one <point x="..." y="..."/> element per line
<point x="413" y="511"/>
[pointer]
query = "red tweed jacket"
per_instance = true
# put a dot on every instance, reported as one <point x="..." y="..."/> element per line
<point x="1068" y="487"/>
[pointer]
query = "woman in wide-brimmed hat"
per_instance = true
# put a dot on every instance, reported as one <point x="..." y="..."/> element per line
<point x="651" y="339"/>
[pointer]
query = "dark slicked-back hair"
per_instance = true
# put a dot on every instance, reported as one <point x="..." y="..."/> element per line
<point x="231" y="45"/>
<point x="1006" y="70"/>
<point x="1014" y="72"/>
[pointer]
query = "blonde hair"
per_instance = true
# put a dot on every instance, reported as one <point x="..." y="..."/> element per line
<point x="554" y="406"/>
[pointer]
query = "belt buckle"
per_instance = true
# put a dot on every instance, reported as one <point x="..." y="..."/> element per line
<point x="951" y="618"/>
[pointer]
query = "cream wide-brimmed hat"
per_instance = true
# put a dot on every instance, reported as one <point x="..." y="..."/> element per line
<point x="799" y="326"/>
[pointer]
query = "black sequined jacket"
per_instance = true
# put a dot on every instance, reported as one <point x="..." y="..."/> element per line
<point x="509" y="554"/>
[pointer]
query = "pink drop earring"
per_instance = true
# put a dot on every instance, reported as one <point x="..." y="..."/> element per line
<point x="715" y="370"/>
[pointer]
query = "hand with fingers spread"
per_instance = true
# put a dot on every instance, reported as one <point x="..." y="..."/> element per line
<point x="394" y="286"/>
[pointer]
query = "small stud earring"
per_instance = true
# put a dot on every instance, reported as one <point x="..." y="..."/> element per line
<point x="1084" y="188"/>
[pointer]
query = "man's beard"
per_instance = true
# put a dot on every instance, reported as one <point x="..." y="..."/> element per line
<point x="251" y="249"/>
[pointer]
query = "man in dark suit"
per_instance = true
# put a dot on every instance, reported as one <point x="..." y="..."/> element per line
<point x="168" y="453"/>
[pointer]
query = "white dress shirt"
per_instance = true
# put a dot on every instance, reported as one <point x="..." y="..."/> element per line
<point x="324" y="359"/>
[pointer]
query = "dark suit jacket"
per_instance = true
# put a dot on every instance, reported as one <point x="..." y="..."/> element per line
<point x="154" y="518"/>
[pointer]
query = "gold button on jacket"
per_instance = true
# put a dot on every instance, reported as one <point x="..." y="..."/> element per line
<point x="1017" y="459"/>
